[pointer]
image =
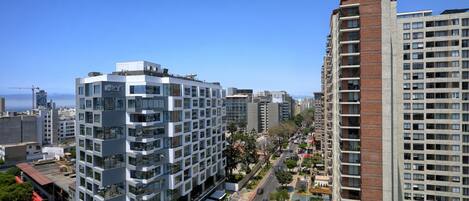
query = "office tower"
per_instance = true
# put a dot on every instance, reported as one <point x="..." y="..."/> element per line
<point x="362" y="104"/>
<point x="41" y="99"/>
<point x="2" y="106"/>
<point x="236" y="103"/>
<point x="144" y="134"/>
<point x="435" y="54"/>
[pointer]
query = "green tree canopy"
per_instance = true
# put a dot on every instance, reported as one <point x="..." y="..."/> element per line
<point x="11" y="191"/>
<point x="290" y="163"/>
<point x="281" y="195"/>
<point x="284" y="177"/>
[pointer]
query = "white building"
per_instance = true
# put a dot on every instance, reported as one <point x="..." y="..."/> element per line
<point x="143" y="134"/>
<point x="66" y="124"/>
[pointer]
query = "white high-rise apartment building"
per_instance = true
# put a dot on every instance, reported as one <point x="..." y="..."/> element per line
<point x="143" y="134"/>
<point x="435" y="54"/>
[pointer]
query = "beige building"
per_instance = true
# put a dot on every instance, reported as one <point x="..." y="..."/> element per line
<point x="435" y="54"/>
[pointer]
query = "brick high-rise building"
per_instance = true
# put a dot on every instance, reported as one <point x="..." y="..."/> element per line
<point x="361" y="107"/>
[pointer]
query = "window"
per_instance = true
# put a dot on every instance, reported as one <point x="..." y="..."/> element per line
<point x="418" y="45"/>
<point x="417" y="55"/>
<point x="406" y="76"/>
<point x="144" y="89"/>
<point x="465" y="43"/>
<point x="352" y="24"/>
<point x="417" y="66"/>
<point x="465" y="32"/>
<point x="406" y="96"/>
<point x="406" y="26"/>
<point x="406" y="36"/>
<point x="407" y="57"/>
<point x="417" y="35"/>
<point x="97" y="89"/>
<point x="465" y="54"/>
<point x="417" y="25"/>
<point x="406" y="66"/>
<point x="406" y="46"/>
<point x="465" y="22"/>
<point x="455" y="32"/>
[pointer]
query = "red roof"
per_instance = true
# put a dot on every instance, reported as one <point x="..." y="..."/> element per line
<point x="34" y="174"/>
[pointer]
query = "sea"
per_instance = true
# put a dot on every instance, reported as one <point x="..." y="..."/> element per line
<point x="23" y="102"/>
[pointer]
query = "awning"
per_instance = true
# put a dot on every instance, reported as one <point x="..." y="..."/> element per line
<point x="34" y="174"/>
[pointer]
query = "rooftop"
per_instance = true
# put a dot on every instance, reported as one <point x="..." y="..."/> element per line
<point x="61" y="173"/>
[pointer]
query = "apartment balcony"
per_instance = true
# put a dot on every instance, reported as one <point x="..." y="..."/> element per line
<point x="350" y="171"/>
<point x="145" y="148"/>
<point x="349" y="98"/>
<point x="350" y="195"/>
<point x="351" y="60"/>
<point x="350" y="159"/>
<point x="350" y="147"/>
<point x="175" y="181"/>
<point x="352" y="37"/>
<point x="349" y="12"/>
<point x="350" y="122"/>
<point x="349" y="73"/>
<point x="351" y="49"/>
<point x="351" y="183"/>
<point x="350" y="25"/>
<point x="350" y="110"/>
<point x="350" y="135"/>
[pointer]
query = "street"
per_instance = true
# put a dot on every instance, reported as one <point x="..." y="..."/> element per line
<point x="271" y="183"/>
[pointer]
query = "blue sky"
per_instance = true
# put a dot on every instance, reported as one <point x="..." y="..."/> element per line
<point x="259" y="44"/>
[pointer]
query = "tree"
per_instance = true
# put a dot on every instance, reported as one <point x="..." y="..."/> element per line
<point x="14" y="171"/>
<point x="290" y="163"/>
<point x="316" y="159"/>
<point x="281" y="195"/>
<point x="232" y="153"/>
<point x="284" y="177"/>
<point x="10" y="190"/>
<point x="231" y="128"/>
<point x="298" y="119"/>
<point x="73" y="152"/>
<point x="250" y="149"/>
<point x="303" y="146"/>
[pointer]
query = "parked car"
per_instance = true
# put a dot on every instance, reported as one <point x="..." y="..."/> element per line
<point x="260" y="191"/>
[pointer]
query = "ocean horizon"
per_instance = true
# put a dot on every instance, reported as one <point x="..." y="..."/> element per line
<point x="23" y="102"/>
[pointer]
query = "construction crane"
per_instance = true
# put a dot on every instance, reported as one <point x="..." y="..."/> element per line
<point x="32" y="88"/>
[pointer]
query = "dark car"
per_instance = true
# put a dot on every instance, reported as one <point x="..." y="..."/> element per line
<point x="260" y="191"/>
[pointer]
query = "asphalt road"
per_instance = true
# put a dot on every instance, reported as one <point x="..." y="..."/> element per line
<point x="272" y="184"/>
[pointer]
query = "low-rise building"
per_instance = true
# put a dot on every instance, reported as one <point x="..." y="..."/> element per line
<point x="20" y="152"/>
<point x="51" y="180"/>
<point x="16" y="129"/>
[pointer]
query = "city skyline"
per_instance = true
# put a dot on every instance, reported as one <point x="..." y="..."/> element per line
<point x="219" y="41"/>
